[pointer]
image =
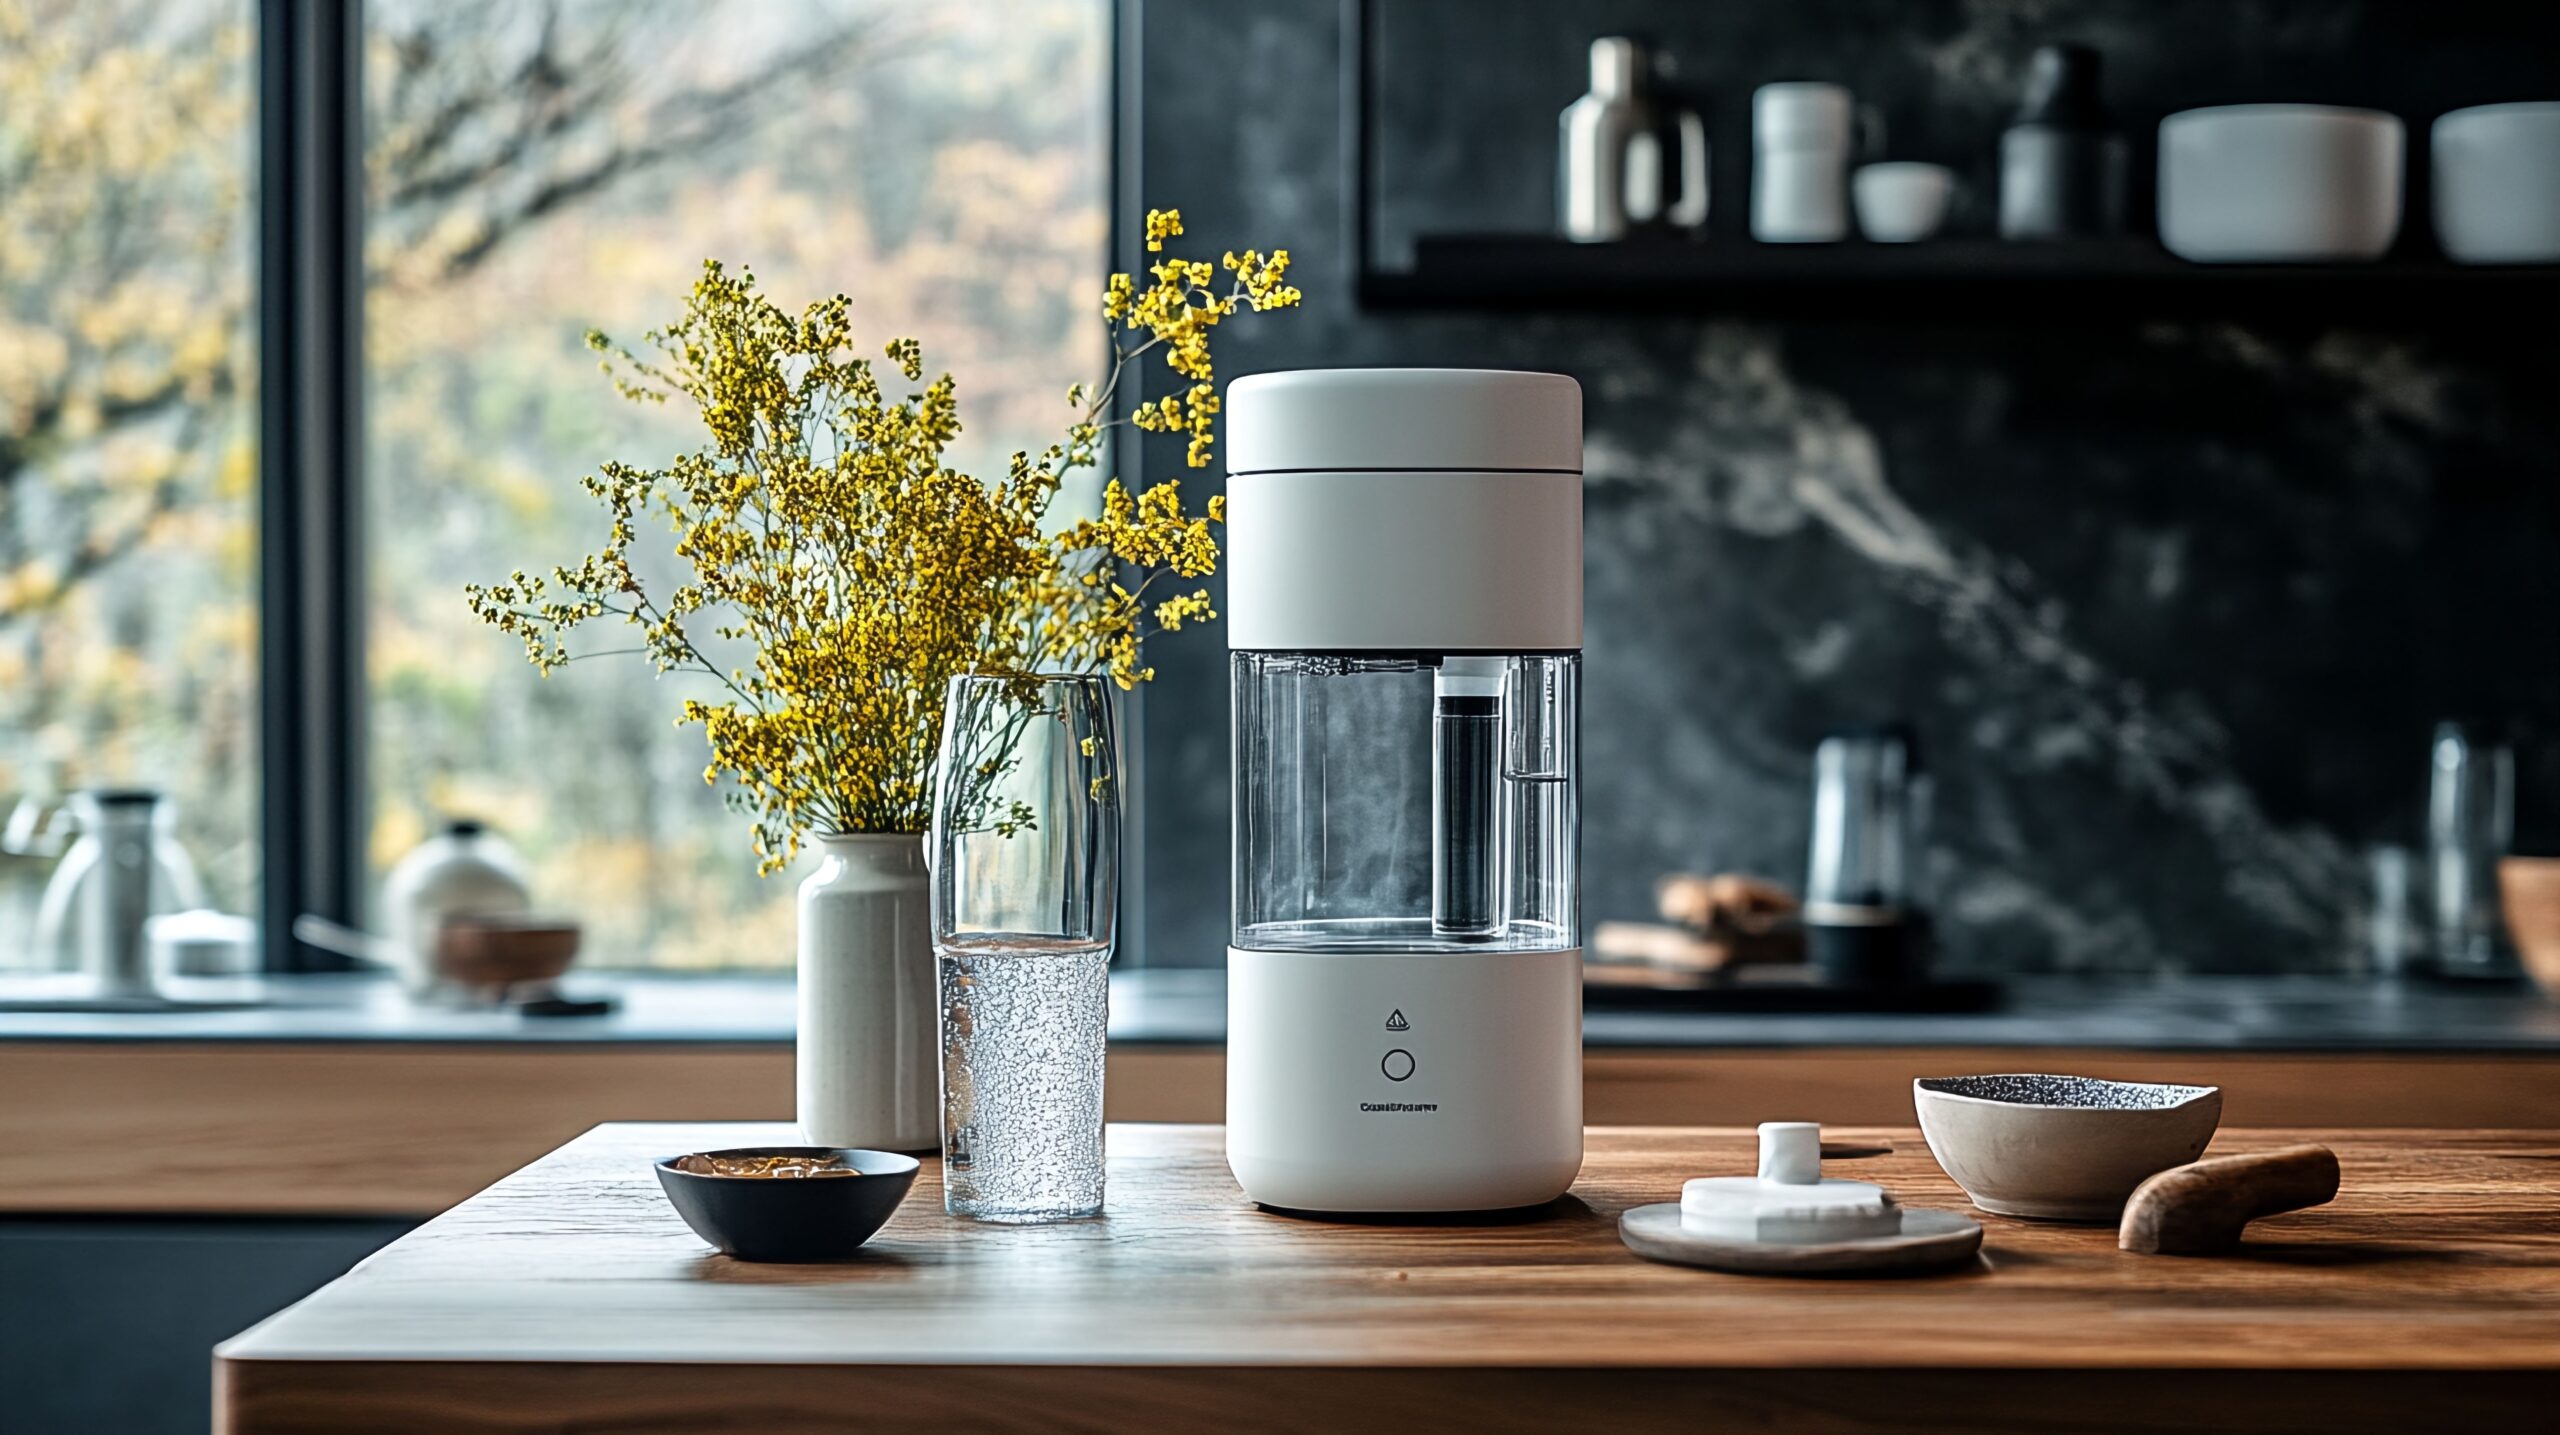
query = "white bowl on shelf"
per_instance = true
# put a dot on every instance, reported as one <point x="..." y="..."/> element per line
<point x="1901" y="201"/>
<point x="2280" y="184"/>
<point x="2497" y="183"/>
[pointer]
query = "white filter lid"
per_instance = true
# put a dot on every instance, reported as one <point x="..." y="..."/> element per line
<point x="1460" y="420"/>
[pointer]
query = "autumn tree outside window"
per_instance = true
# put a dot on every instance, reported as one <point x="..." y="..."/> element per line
<point x="530" y="169"/>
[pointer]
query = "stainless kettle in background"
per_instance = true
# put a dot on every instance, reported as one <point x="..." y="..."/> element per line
<point x="1866" y="924"/>
<point x="125" y="866"/>
<point x="1628" y="158"/>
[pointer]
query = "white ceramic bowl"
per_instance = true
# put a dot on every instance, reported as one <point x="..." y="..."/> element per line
<point x="1900" y="201"/>
<point x="2497" y="183"/>
<point x="2061" y="1148"/>
<point x="2242" y="184"/>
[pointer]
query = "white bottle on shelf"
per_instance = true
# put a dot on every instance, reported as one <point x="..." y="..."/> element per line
<point x="1627" y="158"/>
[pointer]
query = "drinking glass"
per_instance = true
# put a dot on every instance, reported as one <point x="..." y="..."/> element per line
<point x="1026" y="868"/>
<point x="2471" y="808"/>
<point x="2391" y="921"/>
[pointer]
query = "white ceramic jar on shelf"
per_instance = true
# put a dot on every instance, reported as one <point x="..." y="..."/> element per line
<point x="1801" y="135"/>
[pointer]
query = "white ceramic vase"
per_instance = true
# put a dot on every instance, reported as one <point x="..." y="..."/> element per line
<point x="868" y="1055"/>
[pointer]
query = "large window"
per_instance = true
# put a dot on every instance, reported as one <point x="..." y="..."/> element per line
<point x="537" y="170"/>
<point x="526" y="170"/>
<point x="128" y="465"/>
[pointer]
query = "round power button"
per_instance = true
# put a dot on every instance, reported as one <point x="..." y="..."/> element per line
<point x="1398" y="1064"/>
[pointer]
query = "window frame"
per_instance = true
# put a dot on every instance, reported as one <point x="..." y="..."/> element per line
<point x="310" y="297"/>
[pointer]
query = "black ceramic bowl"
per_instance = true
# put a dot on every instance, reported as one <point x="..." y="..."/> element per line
<point x="779" y="1218"/>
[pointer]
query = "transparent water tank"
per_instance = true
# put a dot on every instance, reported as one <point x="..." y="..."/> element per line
<point x="1406" y="802"/>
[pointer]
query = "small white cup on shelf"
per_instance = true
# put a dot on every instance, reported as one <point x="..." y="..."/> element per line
<point x="1902" y="201"/>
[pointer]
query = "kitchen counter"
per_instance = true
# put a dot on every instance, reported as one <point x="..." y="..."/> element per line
<point x="571" y="1296"/>
<point x="1175" y="1007"/>
<point x="341" y="1097"/>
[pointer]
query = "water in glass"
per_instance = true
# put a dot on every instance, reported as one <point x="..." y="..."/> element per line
<point x="1026" y="847"/>
<point x="1022" y="1044"/>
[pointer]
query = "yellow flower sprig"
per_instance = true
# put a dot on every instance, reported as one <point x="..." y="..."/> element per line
<point x="826" y="535"/>
<point x="1177" y="312"/>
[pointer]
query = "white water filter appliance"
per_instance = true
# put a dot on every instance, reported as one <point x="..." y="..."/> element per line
<point x="1404" y="606"/>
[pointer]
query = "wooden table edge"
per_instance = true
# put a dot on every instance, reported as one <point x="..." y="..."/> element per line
<point x="256" y="1396"/>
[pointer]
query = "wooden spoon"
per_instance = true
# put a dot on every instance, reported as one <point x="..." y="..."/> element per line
<point x="2200" y="1209"/>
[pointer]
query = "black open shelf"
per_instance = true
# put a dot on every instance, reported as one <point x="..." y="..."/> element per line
<point x="1963" y="278"/>
<point x="1984" y="279"/>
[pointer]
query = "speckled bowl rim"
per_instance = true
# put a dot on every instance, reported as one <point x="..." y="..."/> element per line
<point x="1924" y="1085"/>
<point x="901" y="1163"/>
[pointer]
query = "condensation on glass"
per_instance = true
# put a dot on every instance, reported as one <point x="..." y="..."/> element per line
<point x="1406" y="803"/>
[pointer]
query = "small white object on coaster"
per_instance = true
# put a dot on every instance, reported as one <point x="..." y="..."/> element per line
<point x="1790" y="1219"/>
<point x="1789" y="1200"/>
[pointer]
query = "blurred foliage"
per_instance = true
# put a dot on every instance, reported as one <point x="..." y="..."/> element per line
<point x="533" y="170"/>
<point x="127" y="465"/>
<point x="948" y="176"/>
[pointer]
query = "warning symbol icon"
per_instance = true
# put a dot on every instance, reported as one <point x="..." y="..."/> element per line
<point x="1396" y="1021"/>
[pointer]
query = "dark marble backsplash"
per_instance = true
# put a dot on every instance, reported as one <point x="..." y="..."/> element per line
<point x="2172" y="605"/>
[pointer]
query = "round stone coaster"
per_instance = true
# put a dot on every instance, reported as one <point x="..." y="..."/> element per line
<point x="1929" y="1239"/>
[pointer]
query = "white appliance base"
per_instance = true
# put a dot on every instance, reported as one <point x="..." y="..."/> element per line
<point x="1404" y="1081"/>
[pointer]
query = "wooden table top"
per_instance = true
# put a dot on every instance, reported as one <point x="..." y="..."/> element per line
<point x="573" y="1283"/>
